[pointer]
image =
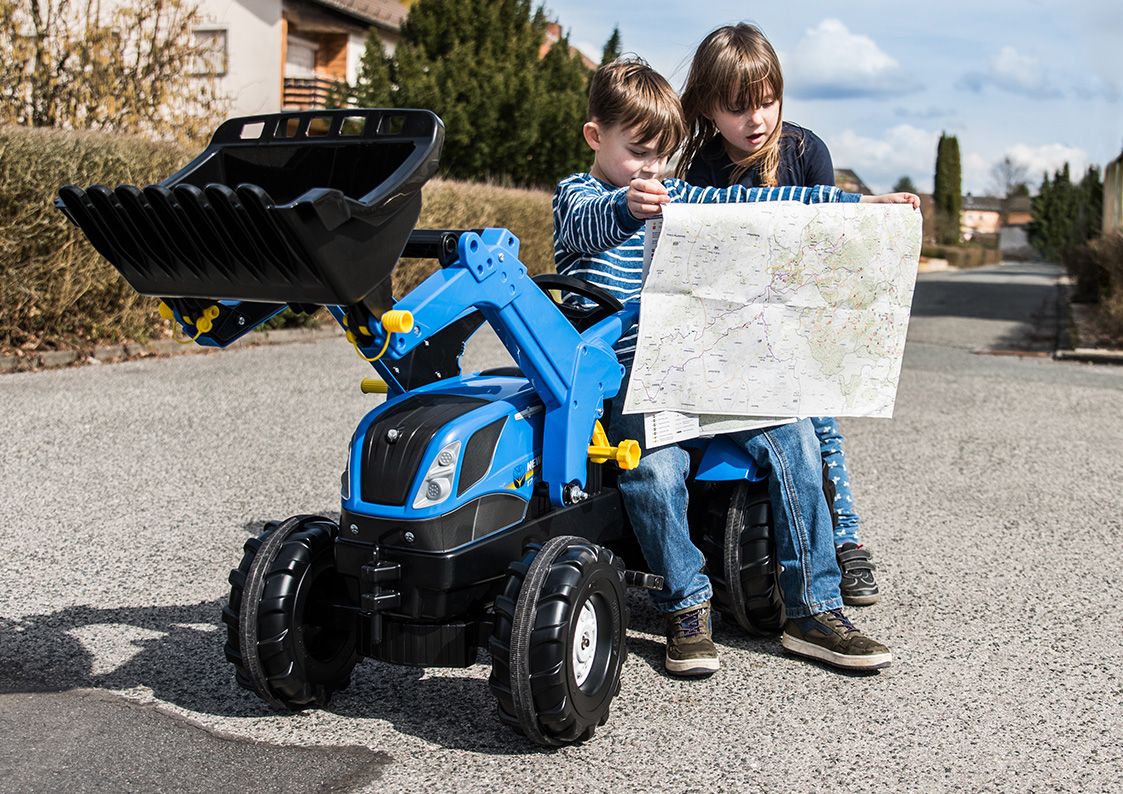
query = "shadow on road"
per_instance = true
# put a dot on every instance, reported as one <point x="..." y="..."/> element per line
<point x="1022" y="295"/>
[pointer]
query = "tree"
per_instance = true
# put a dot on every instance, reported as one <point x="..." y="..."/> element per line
<point x="948" y="193"/>
<point x="68" y="63"/>
<point x="509" y="115"/>
<point x="560" y="149"/>
<point x="611" y="47"/>
<point x="905" y="185"/>
<point x="374" y="86"/>
<point x="475" y="64"/>
<point x="1008" y="178"/>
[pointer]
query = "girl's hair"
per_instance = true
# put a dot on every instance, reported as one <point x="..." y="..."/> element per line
<point x="630" y="94"/>
<point x="734" y="67"/>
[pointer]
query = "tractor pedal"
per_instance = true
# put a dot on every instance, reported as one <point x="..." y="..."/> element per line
<point x="647" y="581"/>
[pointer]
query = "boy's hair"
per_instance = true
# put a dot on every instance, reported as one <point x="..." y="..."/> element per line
<point x="628" y="93"/>
<point x="734" y="67"/>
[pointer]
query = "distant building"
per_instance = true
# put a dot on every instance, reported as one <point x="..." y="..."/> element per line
<point x="1113" y="195"/>
<point x="981" y="215"/>
<point x="553" y="36"/>
<point x="1018" y="211"/>
<point x="851" y="182"/>
<point x="272" y="54"/>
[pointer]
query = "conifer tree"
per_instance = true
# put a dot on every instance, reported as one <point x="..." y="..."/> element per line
<point x="611" y="47"/>
<point x="904" y="185"/>
<point x="373" y="87"/>
<point x="560" y="149"/>
<point x="948" y="195"/>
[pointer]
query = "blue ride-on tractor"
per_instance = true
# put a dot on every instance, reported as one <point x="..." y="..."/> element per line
<point x="476" y="508"/>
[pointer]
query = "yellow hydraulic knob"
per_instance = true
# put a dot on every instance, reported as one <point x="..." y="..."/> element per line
<point x="166" y="311"/>
<point x="206" y="322"/>
<point x="397" y="321"/>
<point x="373" y="386"/>
<point x="627" y="454"/>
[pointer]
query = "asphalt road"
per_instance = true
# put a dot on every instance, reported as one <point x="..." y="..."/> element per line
<point x="991" y="501"/>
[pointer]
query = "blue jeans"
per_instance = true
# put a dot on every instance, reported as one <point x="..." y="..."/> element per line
<point x="655" y="497"/>
<point x="830" y="447"/>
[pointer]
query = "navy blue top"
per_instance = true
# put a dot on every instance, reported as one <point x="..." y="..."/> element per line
<point x="805" y="161"/>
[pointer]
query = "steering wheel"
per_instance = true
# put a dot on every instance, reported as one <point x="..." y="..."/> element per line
<point x="580" y="317"/>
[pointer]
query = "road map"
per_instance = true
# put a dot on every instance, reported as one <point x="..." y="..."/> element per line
<point x="775" y="309"/>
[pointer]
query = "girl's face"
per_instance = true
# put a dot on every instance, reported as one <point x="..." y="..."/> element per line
<point x="745" y="130"/>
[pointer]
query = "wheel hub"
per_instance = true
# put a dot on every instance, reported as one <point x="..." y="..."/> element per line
<point x="584" y="643"/>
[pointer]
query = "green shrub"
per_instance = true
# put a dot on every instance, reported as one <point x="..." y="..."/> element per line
<point x="56" y="291"/>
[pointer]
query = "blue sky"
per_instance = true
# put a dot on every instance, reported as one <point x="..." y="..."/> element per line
<point x="1036" y="80"/>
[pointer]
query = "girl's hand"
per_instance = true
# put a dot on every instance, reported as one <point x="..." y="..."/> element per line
<point x="646" y="198"/>
<point x="893" y="198"/>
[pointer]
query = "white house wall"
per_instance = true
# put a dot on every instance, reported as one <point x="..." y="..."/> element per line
<point x="252" y="83"/>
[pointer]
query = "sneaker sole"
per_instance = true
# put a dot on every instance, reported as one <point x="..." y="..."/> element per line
<point x="860" y="601"/>
<point x="691" y="667"/>
<point x="873" y="661"/>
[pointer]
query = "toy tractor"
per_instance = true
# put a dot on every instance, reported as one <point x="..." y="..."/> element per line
<point x="477" y="511"/>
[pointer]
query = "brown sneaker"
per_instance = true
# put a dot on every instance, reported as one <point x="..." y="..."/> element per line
<point x="690" y="644"/>
<point x="831" y="638"/>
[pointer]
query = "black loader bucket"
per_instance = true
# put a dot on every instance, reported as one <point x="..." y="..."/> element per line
<point x="305" y="208"/>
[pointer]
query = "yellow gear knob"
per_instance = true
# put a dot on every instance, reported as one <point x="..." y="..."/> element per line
<point x="396" y="321"/>
<point x="373" y="386"/>
<point x="627" y="454"/>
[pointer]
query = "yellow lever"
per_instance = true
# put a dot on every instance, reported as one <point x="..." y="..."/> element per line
<point x="373" y="386"/>
<point x="626" y="453"/>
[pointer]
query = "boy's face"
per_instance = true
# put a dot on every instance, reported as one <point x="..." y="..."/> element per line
<point x="620" y="156"/>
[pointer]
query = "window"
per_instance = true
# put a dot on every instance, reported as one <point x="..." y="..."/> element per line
<point x="210" y="55"/>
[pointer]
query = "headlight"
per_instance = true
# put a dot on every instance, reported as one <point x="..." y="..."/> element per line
<point x="437" y="485"/>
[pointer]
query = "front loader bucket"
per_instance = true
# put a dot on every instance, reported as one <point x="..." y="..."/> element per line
<point x="308" y="208"/>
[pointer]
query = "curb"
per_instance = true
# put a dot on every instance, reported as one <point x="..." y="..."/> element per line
<point x="1069" y="324"/>
<point x="159" y="348"/>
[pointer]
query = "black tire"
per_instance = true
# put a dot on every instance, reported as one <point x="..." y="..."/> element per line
<point x="285" y="637"/>
<point x="552" y="673"/>
<point x="737" y="539"/>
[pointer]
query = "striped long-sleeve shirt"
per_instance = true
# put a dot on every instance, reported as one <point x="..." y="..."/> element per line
<point x="596" y="237"/>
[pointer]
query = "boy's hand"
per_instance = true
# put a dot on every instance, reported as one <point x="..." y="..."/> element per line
<point x="646" y="198"/>
<point x="893" y="198"/>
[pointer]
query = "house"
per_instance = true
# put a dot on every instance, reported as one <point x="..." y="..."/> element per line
<point x="850" y="182"/>
<point x="553" y="36"/>
<point x="1113" y="196"/>
<point x="1018" y="211"/>
<point x="981" y="215"/>
<point x="272" y="54"/>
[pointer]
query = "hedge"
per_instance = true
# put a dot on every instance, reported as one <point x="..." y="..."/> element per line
<point x="57" y="292"/>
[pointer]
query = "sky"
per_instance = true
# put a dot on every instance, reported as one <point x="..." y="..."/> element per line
<point x="1038" y="81"/>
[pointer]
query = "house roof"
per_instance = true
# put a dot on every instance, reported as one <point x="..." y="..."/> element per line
<point x="982" y="203"/>
<point x="845" y="178"/>
<point x="388" y="14"/>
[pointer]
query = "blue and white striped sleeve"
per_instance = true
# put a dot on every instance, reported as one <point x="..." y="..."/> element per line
<point x="820" y="194"/>
<point x="588" y="220"/>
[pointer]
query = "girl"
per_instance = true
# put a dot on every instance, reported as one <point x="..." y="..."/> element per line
<point x="733" y="101"/>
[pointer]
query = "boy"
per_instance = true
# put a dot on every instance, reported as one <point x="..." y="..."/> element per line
<point x="635" y="122"/>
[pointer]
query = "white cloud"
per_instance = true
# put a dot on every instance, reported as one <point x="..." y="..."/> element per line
<point x="1018" y="73"/>
<point x="1010" y="70"/>
<point x="1049" y="157"/>
<point x="830" y="62"/>
<point x="905" y="150"/>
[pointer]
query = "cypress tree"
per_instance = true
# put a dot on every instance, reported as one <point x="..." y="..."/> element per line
<point x="611" y="47"/>
<point x="373" y="86"/>
<point x="948" y="194"/>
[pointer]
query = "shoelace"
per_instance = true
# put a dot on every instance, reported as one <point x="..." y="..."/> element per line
<point x="836" y="618"/>
<point x="690" y="624"/>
